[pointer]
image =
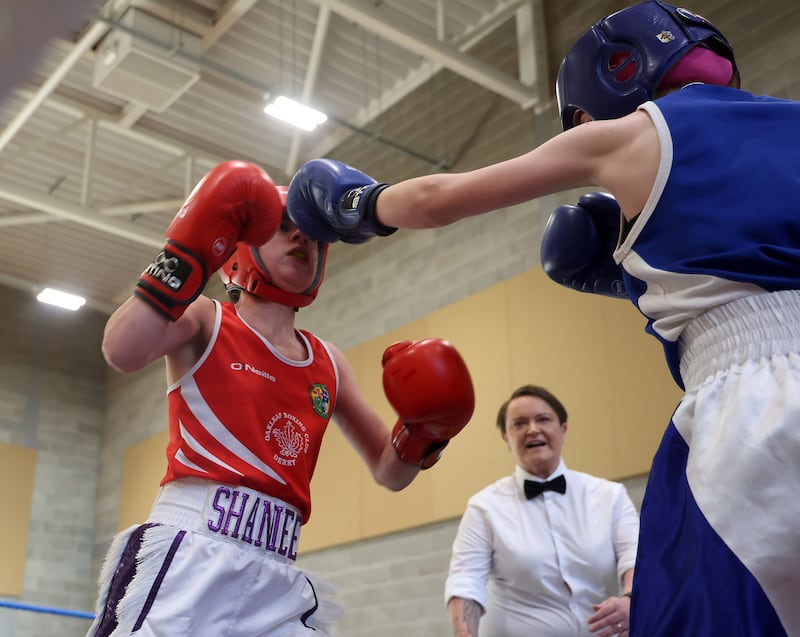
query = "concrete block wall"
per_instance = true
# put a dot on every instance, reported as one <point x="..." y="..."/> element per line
<point x="52" y="392"/>
<point x="136" y="410"/>
<point x="415" y="273"/>
<point x="373" y="288"/>
<point x="392" y="585"/>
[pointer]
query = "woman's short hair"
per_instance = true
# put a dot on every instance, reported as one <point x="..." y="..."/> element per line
<point x="537" y="392"/>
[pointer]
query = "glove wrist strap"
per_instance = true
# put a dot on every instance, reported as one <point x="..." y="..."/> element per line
<point x="371" y="214"/>
<point x="174" y="279"/>
<point x="357" y="211"/>
<point x="414" y="449"/>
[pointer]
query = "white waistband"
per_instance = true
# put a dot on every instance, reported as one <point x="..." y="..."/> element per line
<point x="750" y="328"/>
<point x="237" y="514"/>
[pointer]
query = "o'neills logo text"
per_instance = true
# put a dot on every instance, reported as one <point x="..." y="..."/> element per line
<point x="261" y="522"/>
<point x="247" y="367"/>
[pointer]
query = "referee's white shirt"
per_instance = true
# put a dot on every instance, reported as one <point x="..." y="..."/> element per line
<point x="537" y="566"/>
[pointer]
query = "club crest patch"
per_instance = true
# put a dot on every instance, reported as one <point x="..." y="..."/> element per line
<point x="320" y="399"/>
<point x="291" y="436"/>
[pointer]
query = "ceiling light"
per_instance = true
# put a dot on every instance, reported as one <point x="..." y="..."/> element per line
<point x="61" y="299"/>
<point x="295" y="113"/>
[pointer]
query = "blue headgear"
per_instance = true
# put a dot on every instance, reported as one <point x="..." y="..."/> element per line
<point x="619" y="62"/>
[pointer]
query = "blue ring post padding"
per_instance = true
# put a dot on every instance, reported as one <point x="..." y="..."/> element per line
<point x="44" y="609"/>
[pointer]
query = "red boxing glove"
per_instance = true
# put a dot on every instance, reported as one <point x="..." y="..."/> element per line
<point x="236" y="201"/>
<point x="429" y="386"/>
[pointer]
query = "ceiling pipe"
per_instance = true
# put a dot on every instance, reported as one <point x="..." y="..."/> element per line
<point x="24" y="219"/>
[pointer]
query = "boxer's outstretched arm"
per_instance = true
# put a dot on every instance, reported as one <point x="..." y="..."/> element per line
<point x="621" y="156"/>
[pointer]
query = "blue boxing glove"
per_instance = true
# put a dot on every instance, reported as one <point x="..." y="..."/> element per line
<point x="329" y="200"/>
<point x="578" y="243"/>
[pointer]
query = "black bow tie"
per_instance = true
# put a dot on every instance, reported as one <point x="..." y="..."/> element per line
<point x="533" y="488"/>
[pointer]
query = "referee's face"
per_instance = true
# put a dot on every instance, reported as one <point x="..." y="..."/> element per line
<point x="534" y="435"/>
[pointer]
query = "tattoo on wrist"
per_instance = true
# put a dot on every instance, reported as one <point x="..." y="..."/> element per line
<point x="472" y="615"/>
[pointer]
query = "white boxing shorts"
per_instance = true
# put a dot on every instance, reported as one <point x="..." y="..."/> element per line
<point x="212" y="560"/>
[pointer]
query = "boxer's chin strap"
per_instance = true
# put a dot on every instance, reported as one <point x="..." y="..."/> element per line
<point x="245" y="271"/>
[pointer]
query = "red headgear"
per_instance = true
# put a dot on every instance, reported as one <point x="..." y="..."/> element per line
<point x="246" y="271"/>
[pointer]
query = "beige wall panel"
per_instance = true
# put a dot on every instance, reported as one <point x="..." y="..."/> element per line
<point x="143" y="467"/>
<point x="385" y="511"/>
<point x="558" y="341"/>
<point x="478" y="327"/>
<point x="335" y="500"/>
<point x="336" y="485"/>
<point x="17" y="468"/>
<point x="594" y="355"/>
<point x="644" y="394"/>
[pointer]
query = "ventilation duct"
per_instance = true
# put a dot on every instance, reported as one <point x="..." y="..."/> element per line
<point x="147" y="61"/>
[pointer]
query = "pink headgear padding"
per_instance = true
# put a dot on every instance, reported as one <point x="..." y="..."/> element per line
<point x="699" y="65"/>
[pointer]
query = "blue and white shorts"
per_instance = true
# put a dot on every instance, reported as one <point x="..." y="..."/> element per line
<point x="719" y="546"/>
